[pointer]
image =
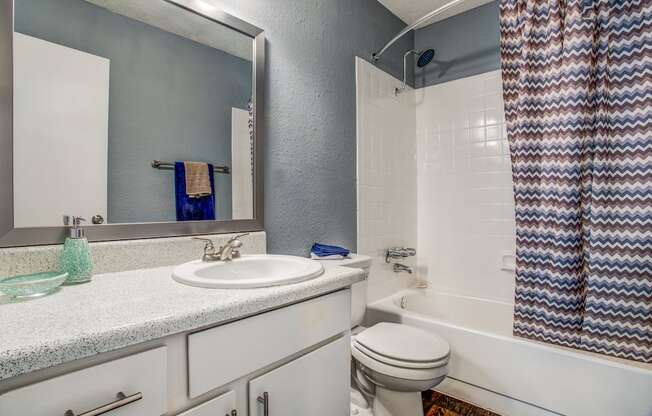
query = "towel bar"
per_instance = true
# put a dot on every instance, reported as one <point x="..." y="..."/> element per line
<point x="157" y="164"/>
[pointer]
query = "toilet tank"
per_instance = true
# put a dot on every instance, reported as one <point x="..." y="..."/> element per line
<point x="358" y="290"/>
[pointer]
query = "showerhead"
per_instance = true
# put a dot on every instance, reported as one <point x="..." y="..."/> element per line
<point x="425" y="57"/>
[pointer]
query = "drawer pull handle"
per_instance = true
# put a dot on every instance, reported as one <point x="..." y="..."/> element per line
<point x="233" y="413"/>
<point x="121" y="401"/>
<point x="264" y="399"/>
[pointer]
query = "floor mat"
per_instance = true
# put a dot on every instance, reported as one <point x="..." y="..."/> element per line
<point x="439" y="404"/>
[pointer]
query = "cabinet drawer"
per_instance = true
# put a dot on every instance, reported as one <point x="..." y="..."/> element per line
<point x="141" y="378"/>
<point x="220" y="355"/>
<point x="222" y="405"/>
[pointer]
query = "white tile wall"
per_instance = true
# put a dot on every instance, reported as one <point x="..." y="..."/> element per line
<point x="386" y="178"/>
<point x="434" y="172"/>
<point x="465" y="197"/>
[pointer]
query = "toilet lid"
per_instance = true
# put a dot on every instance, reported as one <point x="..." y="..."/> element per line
<point x="403" y="343"/>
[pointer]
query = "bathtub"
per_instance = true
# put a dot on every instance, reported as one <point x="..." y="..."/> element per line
<point x="514" y="376"/>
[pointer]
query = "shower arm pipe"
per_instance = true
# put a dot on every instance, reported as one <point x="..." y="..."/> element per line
<point x="376" y="56"/>
<point x="408" y="53"/>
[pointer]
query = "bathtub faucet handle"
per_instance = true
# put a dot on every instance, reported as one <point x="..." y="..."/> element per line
<point x="399" y="252"/>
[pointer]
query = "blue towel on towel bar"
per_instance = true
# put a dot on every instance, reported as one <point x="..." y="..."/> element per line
<point x="325" y="251"/>
<point x="193" y="209"/>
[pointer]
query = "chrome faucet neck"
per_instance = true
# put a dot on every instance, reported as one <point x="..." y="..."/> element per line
<point x="230" y="250"/>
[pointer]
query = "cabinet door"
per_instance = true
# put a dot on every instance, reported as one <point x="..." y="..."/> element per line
<point x="223" y="405"/>
<point x="316" y="384"/>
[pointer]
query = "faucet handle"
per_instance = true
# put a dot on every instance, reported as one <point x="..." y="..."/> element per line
<point x="235" y="244"/>
<point x="237" y="238"/>
<point x="399" y="252"/>
<point x="209" y="245"/>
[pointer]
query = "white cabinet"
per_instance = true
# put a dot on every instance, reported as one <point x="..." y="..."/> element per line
<point x="220" y="355"/>
<point x="141" y="378"/>
<point x="316" y="384"/>
<point x="224" y="405"/>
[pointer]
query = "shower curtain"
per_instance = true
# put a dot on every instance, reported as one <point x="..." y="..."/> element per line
<point x="577" y="79"/>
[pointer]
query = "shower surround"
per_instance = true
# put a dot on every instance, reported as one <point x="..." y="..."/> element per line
<point x="434" y="171"/>
<point x="466" y="203"/>
<point x="386" y="172"/>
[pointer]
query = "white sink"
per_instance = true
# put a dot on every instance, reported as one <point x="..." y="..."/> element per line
<point x="248" y="272"/>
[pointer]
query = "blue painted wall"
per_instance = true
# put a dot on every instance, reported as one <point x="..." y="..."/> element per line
<point x="169" y="98"/>
<point x="310" y="114"/>
<point x="465" y="44"/>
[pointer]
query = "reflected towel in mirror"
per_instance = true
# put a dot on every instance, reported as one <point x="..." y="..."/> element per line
<point x="198" y="182"/>
<point x="189" y="208"/>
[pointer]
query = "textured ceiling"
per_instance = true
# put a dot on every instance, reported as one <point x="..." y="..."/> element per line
<point x="410" y="10"/>
<point x="173" y="19"/>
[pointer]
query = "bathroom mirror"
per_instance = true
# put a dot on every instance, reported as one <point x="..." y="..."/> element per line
<point x="143" y="117"/>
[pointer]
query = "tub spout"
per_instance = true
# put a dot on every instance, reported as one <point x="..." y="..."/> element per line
<point x="400" y="268"/>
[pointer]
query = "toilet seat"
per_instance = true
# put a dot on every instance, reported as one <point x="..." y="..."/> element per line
<point x="400" y="363"/>
<point x="401" y="351"/>
<point x="395" y="371"/>
<point x="403" y="345"/>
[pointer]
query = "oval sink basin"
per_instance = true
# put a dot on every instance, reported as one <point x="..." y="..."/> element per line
<point x="248" y="272"/>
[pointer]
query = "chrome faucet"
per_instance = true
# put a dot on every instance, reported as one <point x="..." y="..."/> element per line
<point x="395" y="253"/>
<point x="399" y="253"/>
<point x="227" y="252"/>
<point x="398" y="268"/>
<point x="230" y="250"/>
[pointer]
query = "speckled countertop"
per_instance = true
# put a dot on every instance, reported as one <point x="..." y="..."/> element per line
<point x="121" y="309"/>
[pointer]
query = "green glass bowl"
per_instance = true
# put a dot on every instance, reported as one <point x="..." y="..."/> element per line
<point x="32" y="285"/>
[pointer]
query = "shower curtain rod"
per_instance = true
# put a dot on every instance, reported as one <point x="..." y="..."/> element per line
<point x="376" y="56"/>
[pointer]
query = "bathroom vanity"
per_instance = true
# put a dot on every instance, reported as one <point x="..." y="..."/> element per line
<point x="170" y="349"/>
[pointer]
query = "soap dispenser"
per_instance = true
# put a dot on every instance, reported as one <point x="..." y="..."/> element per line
<point x="76" y="257"/>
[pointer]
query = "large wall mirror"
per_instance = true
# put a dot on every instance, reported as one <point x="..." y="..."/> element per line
<point x="143" y="117"/>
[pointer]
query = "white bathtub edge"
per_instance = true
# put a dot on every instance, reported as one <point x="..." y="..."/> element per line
<point x="486" y="399"/>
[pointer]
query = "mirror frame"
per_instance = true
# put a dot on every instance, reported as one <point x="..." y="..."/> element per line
<point x="17" y="237"/>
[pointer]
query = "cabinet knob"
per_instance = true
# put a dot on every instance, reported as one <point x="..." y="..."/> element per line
<point x="264" y="400"/>
<point x="233" y="413"/>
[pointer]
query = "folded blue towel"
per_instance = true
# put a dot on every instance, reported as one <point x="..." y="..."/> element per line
<point x="323" y="250"/>
<point x="193" y="209"/>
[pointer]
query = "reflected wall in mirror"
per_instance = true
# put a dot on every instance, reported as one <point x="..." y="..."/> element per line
<point x="103" y="89"/>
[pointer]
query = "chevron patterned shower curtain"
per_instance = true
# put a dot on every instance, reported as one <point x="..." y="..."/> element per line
<point x="577" y="78"/>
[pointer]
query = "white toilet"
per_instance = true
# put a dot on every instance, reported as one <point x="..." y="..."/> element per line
<point x="392" y="363"/>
